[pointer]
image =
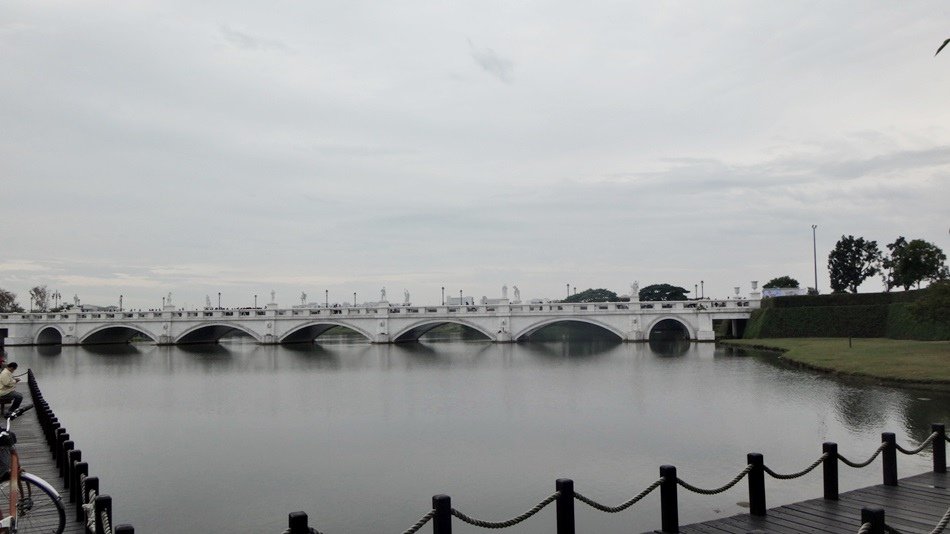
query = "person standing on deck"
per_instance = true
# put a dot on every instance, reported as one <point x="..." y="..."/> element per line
<point x="8" y="384"/>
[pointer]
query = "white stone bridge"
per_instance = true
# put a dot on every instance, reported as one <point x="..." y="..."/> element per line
<point x="503" y="323"/>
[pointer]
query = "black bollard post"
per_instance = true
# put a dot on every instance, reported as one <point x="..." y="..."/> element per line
<point x="92" y="486"/>
<point x="442" y="520"/>
<point x="297" y="521"/>
<point x="53" y="438"/>
<point x="939" y="448"/>
<point x="756" y="484"/>
<point x="669" y="507"/>
<point x="102" y="507"/>
<point x="58" y="453"/>
<point x="72" y="458"/>
<point x="830" y="468"/>
<point x="565" y="505"/>
<point x="874" y="516"/>
<point x="68" y="446"/>
<point x="889" y="457"/>
<point x="81" y="470"/>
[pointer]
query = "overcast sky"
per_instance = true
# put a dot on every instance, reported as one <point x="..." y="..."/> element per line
<point x="244" y="147"/>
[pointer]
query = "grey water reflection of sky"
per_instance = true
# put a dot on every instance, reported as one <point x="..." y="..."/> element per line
<point x="240" y="147"/>
<point x="337" y="429"/>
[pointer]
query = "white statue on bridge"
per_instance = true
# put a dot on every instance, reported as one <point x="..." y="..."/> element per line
<point x="168" y="302"/>
<point x="405" y="295"/>
<point x="382" y="294"/>
<point x="273" y="295"/>
<point x="517" y="294"/>
<point x="76" y="300"/>
<point x="635" y="291"/>
<point x="504" y="291"/>
<point x="303" y="298"/>
<point x="207" y="302"/>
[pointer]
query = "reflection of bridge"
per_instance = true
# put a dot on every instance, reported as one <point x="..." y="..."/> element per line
<point x="629" y="321"/>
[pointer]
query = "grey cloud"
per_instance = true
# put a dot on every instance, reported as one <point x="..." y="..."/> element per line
<point x="247" y="41"/>
<point x="492" y="63"/>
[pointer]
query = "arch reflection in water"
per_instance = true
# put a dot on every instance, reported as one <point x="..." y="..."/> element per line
<point x="669" y="347"/>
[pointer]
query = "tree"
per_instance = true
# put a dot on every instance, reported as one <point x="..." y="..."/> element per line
<point x="781" y="281"/>
<point x="851" y="262"/>
<point x="8" y="302"/>
<point x="40" y="297"/>
<point x="593" y="295"/>
<point x="663" y="292"/>
<point x="889" y="263"/>
<point x="935" y="303"/>
<point x="912" y="262"/>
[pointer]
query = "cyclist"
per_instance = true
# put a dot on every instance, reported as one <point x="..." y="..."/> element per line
<point x="8" y="384"/>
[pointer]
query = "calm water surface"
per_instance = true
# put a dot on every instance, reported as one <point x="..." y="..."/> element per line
<point x="231" y="438"/>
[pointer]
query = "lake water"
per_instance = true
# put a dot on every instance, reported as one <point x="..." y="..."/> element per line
<point x="233" y="437"/>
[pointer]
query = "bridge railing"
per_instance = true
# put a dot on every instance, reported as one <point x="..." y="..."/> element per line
<point x="231" y="313"/>
<point x="93" y="509"/>
<point x="754" y="471"/>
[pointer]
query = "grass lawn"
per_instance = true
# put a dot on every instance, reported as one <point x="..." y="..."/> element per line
<point x="890" y="359"/>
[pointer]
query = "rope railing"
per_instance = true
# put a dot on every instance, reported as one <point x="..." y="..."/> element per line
<point x="922" y="446"/>
<point x="509" y="522"/>
<point x="942" y="524"/>
<point x="622" y="506"/>
<point x="718" y="490"/>
<point x="865" y="463"/>
<point x="93" y="509"/>
<point x="420" y="523"/>
<point x="801" y="473"/>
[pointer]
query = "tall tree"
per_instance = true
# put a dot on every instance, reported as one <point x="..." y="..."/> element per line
<point x="781" y="281"/>
<point x="916" y="261"/>
<point x="663" y="292"/>
<point x="935" y="304"/>
<point x="851" y="262"/>
<point x="889" y="263"/>
<point x="593" y="295"/>
<point x="40" y="297"/>
<point x="8" y="302"/>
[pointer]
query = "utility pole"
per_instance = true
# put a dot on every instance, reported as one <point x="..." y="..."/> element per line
<point x="814" y="252"/>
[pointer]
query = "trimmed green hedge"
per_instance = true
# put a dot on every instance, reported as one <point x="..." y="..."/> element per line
<point x="843" y="299"/>
<point x="880" y="320"/>
<point x="818" y="321"/>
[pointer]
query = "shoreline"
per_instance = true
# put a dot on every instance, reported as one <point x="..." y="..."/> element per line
<point x="780" y="346"/>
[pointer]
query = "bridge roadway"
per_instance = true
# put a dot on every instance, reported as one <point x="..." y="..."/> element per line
<point x="383" y="323"/>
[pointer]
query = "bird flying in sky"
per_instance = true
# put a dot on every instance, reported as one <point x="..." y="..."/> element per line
<point x="941" y="47"/>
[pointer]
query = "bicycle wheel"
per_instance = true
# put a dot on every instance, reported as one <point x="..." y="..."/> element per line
<point x="40" y="510"/>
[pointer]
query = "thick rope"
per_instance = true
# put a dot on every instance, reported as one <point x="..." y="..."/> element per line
<point x="865" y="463"/>
<point x="716" y="491"/>
<point x="801" y="473"/>
<point x="621" y="507"/>
<point x="420" y="523"/>
<point x="106" y="524"/>
<point x="918" y="449"/>
<point x="865" y="528"/>
<point x="510" y="522"/>
<point x="942" y="524"/>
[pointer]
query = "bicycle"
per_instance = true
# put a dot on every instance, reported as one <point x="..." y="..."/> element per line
<point x="35" y="507"/>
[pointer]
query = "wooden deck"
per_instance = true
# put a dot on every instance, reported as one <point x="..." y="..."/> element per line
<point x="915" y="505"/>
<point x="37" y="459"/>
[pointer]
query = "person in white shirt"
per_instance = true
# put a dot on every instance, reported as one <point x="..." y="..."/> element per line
<point x="8" y="384"/>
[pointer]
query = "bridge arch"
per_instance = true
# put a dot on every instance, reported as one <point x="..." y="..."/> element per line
<point x="308" y="332"/>
<point x="49" y="335"/>
<point x="212" y="333"/>
<point x="416" y="330"/>
<point x="114" y="333"/>
<point x="690" y="331"/>
<point x="526" y="332"/>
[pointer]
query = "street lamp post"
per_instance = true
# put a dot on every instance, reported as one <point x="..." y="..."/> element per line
<point x="695" y="291"/>
<point x="120" y="302"/>
<point x="255" y="301"/>
<point x="460" y="297"/>
<point x="443" y="295"/>
<point x="814" y="252"/>
<point x="326" y="298"/>
<point x="702" y="289"/>
<point x="354" y="299"/>
<point x="568" y="290"/>
<point x="219" y="300"/>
